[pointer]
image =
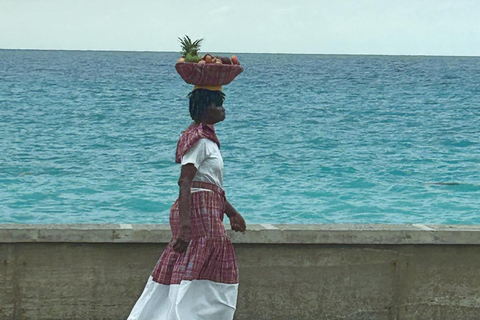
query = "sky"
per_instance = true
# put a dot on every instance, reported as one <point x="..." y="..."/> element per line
<point x="387" y="27"/>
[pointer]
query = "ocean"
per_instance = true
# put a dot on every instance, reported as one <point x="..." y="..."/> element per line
<point x="90" y="137"/>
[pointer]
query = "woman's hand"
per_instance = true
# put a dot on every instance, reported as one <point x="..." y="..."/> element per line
<point x="236" y="220"/>
<point x="238" y="223"/>
<point x="180" y="245"/>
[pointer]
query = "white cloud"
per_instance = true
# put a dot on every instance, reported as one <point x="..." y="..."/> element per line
<point x="219" y="11"/>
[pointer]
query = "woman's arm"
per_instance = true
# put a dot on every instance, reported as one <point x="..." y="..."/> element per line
<point x="184" y="206"/>
<point x="236" y="220"/>
<point x="230" y="211"/>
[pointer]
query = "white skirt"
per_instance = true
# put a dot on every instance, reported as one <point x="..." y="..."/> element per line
<point x="189" y="300"/>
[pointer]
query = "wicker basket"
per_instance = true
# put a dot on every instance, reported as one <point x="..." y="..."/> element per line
<point x="210" y="74"/>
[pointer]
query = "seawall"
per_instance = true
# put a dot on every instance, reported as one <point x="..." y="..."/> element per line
<point x="290" y="272"/>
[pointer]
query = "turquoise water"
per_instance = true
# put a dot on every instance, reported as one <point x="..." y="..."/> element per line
<point x="89" y="137"/>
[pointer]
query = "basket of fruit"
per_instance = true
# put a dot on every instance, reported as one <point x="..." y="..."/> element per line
<point x="208" y="70"/>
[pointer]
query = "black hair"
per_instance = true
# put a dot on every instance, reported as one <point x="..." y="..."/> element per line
<point x="201" y="99"/>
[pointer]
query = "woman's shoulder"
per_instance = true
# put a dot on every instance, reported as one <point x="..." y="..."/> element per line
<point x="193" y="135"/>
<point x="209" y="144"/>
<point x="206" y="144"/>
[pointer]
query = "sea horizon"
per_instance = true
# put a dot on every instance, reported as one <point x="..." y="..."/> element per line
<point x="238" y="52"/>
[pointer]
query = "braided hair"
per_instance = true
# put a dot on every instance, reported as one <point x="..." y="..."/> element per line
<point x="201" y="99"/>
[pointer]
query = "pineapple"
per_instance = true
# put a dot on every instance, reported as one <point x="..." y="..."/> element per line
<point x="190" y="49"/>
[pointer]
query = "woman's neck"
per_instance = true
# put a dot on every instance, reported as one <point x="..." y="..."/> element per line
<point x="204" y="123"/>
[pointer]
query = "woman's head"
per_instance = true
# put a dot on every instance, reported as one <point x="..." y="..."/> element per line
<point x="206" y="105"/>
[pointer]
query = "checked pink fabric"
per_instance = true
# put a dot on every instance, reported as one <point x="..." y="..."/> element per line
<point x="190" y="136"/>
<point x="210" y="255"/>
<point x="201" y="283"/>
<point x="210" y="74"/>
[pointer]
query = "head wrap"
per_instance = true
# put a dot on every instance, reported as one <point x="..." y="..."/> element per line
<point x="211" y="88"/>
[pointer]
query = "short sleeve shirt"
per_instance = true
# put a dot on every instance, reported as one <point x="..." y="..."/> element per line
<point x="206" y="157"/>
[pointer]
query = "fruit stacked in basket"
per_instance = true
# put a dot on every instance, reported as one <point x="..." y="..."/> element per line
<point x="208" y="70"/>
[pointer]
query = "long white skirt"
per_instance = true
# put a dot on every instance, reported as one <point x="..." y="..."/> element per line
<point x="189" y="300"/>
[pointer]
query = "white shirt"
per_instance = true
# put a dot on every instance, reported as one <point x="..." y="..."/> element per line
<point x="206" y="157"/>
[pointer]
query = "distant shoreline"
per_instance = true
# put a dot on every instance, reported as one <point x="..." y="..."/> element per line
<point x="263" y="53"/>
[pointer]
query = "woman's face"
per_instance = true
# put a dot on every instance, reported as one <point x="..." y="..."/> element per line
<point x="214" y="114"/>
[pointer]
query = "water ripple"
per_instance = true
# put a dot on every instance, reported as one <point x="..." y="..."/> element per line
<point x="90" y="137"/>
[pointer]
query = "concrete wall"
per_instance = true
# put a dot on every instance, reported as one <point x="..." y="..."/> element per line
<point x="286" y="271"/>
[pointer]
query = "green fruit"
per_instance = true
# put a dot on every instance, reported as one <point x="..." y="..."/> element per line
<point x="190" y="47"/>
<point x="189" y="57"/>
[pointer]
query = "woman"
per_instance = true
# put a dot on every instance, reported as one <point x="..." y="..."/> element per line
<point x="197" y="276"/>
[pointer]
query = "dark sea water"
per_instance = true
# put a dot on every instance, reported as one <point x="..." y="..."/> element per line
<point x="90" y="137"/>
